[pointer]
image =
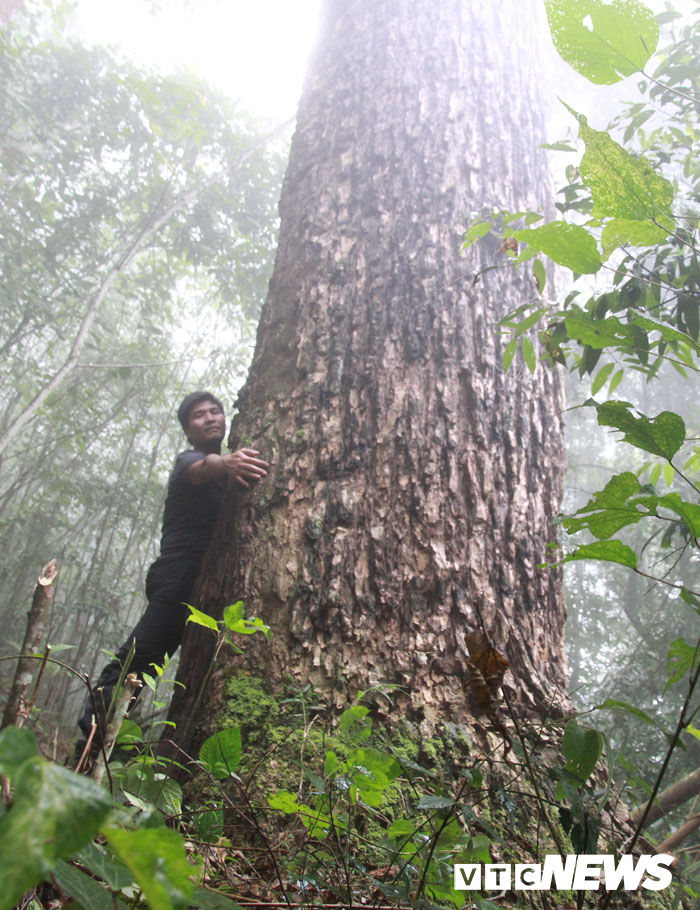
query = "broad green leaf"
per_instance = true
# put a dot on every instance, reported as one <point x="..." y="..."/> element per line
<point x="249" y="626"/>
<point x="233" y="613"/>
<point x="54" y="813"/>
<point x="221" y="753"/>
<point x="662" y="435"/>
<point x="17" y="746"/>
<point x="100" y="863"/>
<point x="569" y="245"/>
<point x="626" y="232"/>
<point x="129" y="733"/>
<point x="606" y="551"/>
<point x="372" y="772"/>
<point x="603" y="41"/>
<point x="667" y="332"/>
<point x="80" y="886"/>
<point x="609" y="509"/>
<point x="595" y="332"/>
<point x="681" y="658"/>
<point x="330" y="764"/>
<point x="624" y="188"/>
<point x="582" y="747"/>
<point x="400" y="828"/>
<point x="478" y="850"/>
<point x="689" y="512"/>
<point x="158" y="862"/>
<point x="355" y="723"/>
<point x="201" y="619"/>
<point x="285" y="801"/>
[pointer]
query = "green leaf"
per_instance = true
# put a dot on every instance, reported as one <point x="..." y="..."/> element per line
<point x="681" y="658"/>
<point x="355" y="723"/>
<point x="625" y="231"/>
<point x="233" y="613"/>
<point x="606" y="551"/>
<point x="615" y="705"/>
<point x="330" y="764"/>
<point x="129" y="733"/>
<point x="558" y="146"/>
<point x="616" y="380"/>
<point x="80" y="886"/>
<point x="476" y="232"/>
<point x="540" y="274"/>
<point x="610" y="509"/>
<point x="249" y="626"/>
<point x="662" y="435"/>
<point x="597" y="333"/>
<point x="624" y="187"/>
<point x="601" y="377"/>
<point x="285" y="801"/>
<point x="529" y="353"/>
<point x="17" y="746"/>
<point x="372" y="772"/>
<point x="582" y="747"/>
<point x="54" y="813"/>
<point x="621" y="37"/>
<point x="202" y="619"/>
<point x="689" y="512"/>
<point x="667" y="332"/>
<point x="221" y="753"/>
<point x="100" y="863"/>
<point x="569" y="245"/>
<point x="158" y="862"/>
<point x="509" y="353"/>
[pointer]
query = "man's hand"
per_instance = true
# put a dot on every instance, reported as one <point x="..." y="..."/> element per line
<point x="244" y="466"/>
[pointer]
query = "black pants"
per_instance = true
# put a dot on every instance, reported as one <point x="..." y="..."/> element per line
<point x="159" y="632"/>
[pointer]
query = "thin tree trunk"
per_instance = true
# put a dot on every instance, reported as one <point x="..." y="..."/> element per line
<point x="16" y="707"/>
<point x="675" y="795"/>
<point x="678" y="836"/>
<point x="413" y="484"/>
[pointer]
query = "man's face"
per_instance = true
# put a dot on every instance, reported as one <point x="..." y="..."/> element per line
<point x="206" y="426"/>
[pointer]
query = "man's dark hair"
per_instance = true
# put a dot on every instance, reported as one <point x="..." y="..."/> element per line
<point x="183" y="412"/>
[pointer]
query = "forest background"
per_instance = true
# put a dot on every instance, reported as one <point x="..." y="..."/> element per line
<point x="138" y="230"/>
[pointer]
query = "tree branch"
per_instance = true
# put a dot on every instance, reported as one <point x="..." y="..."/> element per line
<point x="669" y="799"/>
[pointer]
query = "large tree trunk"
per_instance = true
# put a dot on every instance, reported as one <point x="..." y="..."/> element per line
<point x="414" y="484"/>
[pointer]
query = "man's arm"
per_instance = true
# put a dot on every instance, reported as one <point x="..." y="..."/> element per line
<point x="244" y="466"/>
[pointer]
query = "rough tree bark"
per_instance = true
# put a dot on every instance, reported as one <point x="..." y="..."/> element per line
<point x="413" y="483"/>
